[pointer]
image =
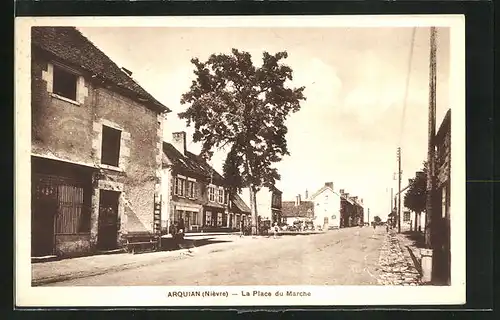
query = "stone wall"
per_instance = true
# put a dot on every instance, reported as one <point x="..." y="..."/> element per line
<point x="72" y="131"/>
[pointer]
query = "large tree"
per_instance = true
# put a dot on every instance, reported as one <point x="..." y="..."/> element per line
<point x="415" y="197"/>
<point x="234" y="104"/>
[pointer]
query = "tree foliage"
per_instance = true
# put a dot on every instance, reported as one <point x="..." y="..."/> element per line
<point x="377" y="219"/>
<point x="233" y="103"/>
<point x="415" y="197"/>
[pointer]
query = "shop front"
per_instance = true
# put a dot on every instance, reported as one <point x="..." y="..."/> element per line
<point x="187" y="216"/>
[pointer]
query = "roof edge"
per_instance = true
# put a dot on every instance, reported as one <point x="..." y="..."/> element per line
<point x="154" y="106"/>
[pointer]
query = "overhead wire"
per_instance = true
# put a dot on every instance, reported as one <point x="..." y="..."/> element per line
<point x="408" y="76"/>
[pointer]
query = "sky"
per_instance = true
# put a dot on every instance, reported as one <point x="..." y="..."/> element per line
<point x="355" y="116"/>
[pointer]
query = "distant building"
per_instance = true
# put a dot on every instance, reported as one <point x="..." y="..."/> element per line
<point x="352" y="210"/>
<point x="268" y="203"/>
<point x="336" y="208"/>
<point x="297" y="210"/>
<point x="410" y="221"/>
<point x="238" y="211"/>
<point x="96" y="147"/>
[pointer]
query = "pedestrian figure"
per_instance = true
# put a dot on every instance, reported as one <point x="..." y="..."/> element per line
<point x="276" y="229"/>
<point x="241" y="228"/>
<point x="374" y="226"/>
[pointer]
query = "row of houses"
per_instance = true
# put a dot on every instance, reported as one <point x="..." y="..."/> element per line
<point x="327" y="208"/>
<point x="100" y="168"/>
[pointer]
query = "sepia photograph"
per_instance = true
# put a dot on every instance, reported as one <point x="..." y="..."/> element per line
<point x="240" y="160"/>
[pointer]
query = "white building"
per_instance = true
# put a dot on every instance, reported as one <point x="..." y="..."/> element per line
<point x="327" y="205"/>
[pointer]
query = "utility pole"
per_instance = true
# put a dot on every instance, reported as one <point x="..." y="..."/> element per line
<point x="399" y="189"/>
<point x="430" y="144"/>
<point x="392" y="207"/>
<point x="368" y="216"/>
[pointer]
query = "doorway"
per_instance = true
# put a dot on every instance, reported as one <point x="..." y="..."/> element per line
<point x="43" y="213"/>
<point x="107" y="236"/>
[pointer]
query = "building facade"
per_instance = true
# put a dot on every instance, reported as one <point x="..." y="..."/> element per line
<point x="96" y="147"/>
<point x="239" y="213"/>
<point x="298" y="210"/>
<point x="192" y="191"/>
<point x="352" y="210"/>
<point x="441" y="211"/>
<point x="327" y="209"/>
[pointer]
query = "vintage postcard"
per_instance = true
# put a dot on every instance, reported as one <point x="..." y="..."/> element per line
<point x="240" y="161"/>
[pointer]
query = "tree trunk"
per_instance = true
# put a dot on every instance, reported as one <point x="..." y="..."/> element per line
<point x="253" y="208"/>
<point x="418" y="218"/>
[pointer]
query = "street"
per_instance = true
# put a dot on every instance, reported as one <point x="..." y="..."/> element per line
<point x="338" y="257"/>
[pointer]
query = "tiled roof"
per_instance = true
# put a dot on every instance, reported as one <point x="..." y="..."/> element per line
<point x="189" y="163"/>
<point x="289" y="209"/>
<point x="348" y="200"/>
<point x="240" y="204"/>
<point x="71" y="46"/>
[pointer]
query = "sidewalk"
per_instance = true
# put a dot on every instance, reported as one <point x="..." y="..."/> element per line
<point x="67" y="269"/>
<point x="396" y="267"/>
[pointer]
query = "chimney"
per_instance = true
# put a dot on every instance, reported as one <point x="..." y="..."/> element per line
<point x="329" y="184"/>
<point x="297" y="200"/>
<point x="342" y="191"/>
<point x="127" y="71"/>
<point x="179" y="141"/>
<point x="307" y="195"/>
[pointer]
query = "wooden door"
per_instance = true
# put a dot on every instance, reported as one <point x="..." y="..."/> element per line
<point x="107" y="236"/>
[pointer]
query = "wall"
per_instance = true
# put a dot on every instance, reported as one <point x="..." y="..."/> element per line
<point x="327" y="204"/>
<point x="68" y="245"/>
<point x="73" y="131"/>
<point x="166" y="177"/>
<point x="59" y="128"/>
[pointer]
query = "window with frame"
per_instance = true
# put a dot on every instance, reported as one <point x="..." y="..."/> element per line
<point x="180" y="186"/>
<point x="211" y="194"/>
<point x="219" y="219"/>
<point x="195" y="218"/>
<point x="208" y="218"/>
<point x="220" y="195"/>
<point x="64" y="83"/>
<point x="191" y="189"/>
<point x="406" y="216"/>
<point x="110" y="150"/>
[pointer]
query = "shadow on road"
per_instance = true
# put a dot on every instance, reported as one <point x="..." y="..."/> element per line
<point x="171" y="245"/>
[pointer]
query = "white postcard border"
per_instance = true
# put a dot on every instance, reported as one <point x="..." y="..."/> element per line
<point x="319" y="295"/>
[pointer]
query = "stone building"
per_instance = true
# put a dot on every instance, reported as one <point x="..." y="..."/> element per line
<point x="191" y="189"/>
<point x="441" y="210"/>
<point x="96" y="147"/>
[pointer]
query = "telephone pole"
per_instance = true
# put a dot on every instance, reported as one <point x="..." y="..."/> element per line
<point x="399" y="189"/>
<point x="429" y="214"/>
<point x="392" y="207"/>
